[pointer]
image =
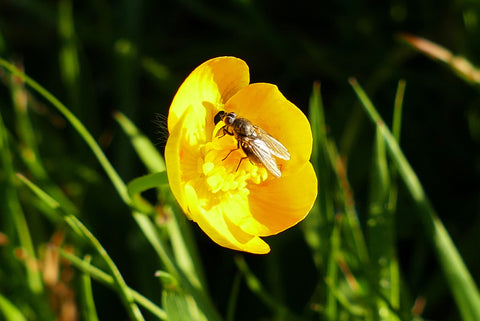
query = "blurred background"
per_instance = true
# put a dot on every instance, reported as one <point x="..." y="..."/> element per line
<point x="100" y="56"/>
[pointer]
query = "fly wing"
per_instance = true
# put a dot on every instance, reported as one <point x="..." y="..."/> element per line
<point x="276" y="148"/>
<point x="258" y="151"/>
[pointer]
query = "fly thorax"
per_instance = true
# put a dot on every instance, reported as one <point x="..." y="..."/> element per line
<point x="244" y="127"/>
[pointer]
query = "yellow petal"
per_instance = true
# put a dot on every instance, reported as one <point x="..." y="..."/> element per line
<point x="175" y="153"/>
<point x="209" y="86"/>
<point x="281" y="203"/>
<point x="265" y="106"/>
<point x="220" y="229"/>
<point x="238" y="212"/>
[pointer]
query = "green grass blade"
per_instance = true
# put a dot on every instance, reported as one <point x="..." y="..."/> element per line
<point x="321" y="162"/>
<point x="464" y="289"/>
<point x="232" y="301"/>
<point x="381" y="232"/>
<point x="178" y="304"/>
<point x="394" y="297"/>
<point x="184" y="247"/>
<point x="146" y="182"/>
<point x="354" y="310"/>
<point x="142" y="184"/>
<point x="346" y="196"/>
<point x="107" y="280"/>
<point x="24" y="129"/>
<point x="153" y="67"/>
<point x="254" y="284"/>
<point x="47" y="199"/>
<point x="396" y="129"/>
<point x="121" y="286"/>
<point x="68" y="55"/>
<point x="77" y="226"/>
<point x="28" y="142"/>
<point x="200" y="296"/>
<point x="143" y="146"/>
<point x="13" y="207"/>
<point x="9" y="311"/>
<point x="331" y="308"/>
<point x="397" y="110"/>
<point x="319" y="226"/>
<point x="77" y="125"/>
<point x="89" y="310"/>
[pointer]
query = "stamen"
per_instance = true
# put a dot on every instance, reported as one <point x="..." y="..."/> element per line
<point x="230" y="173"/>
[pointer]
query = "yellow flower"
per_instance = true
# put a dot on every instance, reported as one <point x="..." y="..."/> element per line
<point x="236" y="206"/>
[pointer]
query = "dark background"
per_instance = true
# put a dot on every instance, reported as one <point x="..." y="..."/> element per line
<point x="291" y="44"/>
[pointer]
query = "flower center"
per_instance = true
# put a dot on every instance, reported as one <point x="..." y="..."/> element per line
<point x="227" y="168"/>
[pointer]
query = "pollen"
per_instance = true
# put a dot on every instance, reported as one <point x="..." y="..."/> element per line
<point x="224" y="174"/>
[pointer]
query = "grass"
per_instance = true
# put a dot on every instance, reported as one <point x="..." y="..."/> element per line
<point x="89" y="229"/>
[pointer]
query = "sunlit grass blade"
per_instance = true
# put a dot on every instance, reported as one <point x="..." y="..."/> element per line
<point x="464" y="289"/>
<point x="78" y="227"/>
<point x="122" y="289"/>
<point x="198" y="293"/>
<point x="14" y="210"/>
<point x="143" y="146"/>
<point x="458" y="64"/>
<point x="184" y="247"/>
<point x="9" y="312"/>
<point x="43" y="196"/>
<point x="178" y="304"/>
<point x="142" y="184"/>
<point x="107" y="280"/>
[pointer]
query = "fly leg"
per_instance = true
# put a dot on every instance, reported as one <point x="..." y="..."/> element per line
<point x="238" y="147"/>
<point x="241" y="160"/>
<point x="247" y="152"/>
<point x="225" y="132"/>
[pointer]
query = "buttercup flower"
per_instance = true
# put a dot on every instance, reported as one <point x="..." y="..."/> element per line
<point x="234" y="201"/>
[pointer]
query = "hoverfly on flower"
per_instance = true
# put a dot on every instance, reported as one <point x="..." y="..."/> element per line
<point x="258" y="145"/>
<point x="237" y="208"/>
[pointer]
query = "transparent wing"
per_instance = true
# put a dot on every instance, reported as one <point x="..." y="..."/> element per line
<point x="276" y="148"/>
<point x="258" y="151"/>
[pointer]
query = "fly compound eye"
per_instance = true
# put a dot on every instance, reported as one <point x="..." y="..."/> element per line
<point x="219" y="116"/>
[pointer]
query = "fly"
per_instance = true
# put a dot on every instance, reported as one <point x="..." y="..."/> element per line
<point x="258" y="146"/>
